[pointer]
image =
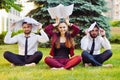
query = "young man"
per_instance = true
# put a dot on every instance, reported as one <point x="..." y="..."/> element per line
<point x="91" y="45"/>
<point x="28" y="44"/>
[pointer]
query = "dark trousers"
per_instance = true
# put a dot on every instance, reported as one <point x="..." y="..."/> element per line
<point x="96" y="60"/>
<point x="63" y="62"/>
<point x="19" y="60"/>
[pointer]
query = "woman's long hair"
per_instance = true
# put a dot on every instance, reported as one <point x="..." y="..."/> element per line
<point x="69" y="40"/>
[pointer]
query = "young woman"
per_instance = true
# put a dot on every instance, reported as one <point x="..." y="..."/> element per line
<point x="62" y="51"/>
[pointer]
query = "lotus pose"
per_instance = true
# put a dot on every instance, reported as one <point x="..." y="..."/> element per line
<point x="27" y="42"/>
<point x="91" y="45"/>
<point x="62" y="51"/>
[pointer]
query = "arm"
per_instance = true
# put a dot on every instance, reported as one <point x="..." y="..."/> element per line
<point x="75" y="28"/>
<point x="8" y="39"/>
<point x="49" y="30"/>
<point x="105" y="42"/>
<point x="50" y="27"/>
<point x="84" y="42"/>
<point x="43" y="37"/>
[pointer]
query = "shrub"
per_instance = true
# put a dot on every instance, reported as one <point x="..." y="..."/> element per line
<point x="115" y="39"/>
<point x="2" y="37"/>
<point x="115" y="23"/>
<point x="115" y="35"/>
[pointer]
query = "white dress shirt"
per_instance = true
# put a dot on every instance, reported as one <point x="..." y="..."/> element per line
<point x="33" y="41"/>
<point x="86" y="43"/>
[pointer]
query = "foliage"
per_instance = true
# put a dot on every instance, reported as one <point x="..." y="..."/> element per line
<point x="115" y="35"/>
<point x="85" y="12"/>
<point x="115" y="39"/>
<point x="43" y="72"/>
<point x="115" y="23"/>
<point x="7" y="4"/>
<point x="2" y="38"/>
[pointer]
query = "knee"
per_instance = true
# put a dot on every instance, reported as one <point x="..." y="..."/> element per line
<point x="109" y="52"/>
<point x="38" y="53"/>
<point x="47" y="59"/>
<point x="84" y="53"/>
<point x="6" y="54"/>
<point x="79" y="58"/>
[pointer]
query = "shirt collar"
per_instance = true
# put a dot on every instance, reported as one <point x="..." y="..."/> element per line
<point x="29" y="35"/>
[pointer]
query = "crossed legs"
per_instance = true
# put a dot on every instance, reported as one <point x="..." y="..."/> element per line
<point x="63" y="62"/>
<point x="19" y="60"/>
<point x="96" y="60"/>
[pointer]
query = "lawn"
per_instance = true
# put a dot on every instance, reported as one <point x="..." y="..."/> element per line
<point x="43" y="72"/>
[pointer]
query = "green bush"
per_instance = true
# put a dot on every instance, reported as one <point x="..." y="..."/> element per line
<point x="115" y="39"/>
<point x="2" y="38"/>
<point x="115" y="23"/>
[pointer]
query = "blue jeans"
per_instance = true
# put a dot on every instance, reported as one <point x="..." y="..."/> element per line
<point x="96" y="60"/>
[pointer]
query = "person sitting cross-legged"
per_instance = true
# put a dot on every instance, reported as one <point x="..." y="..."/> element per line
<point x="62" y="51"/>
<point x="91" y="44"/>
<point x="28" y="44"/>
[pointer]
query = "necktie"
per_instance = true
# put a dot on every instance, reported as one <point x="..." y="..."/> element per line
<point x="92" y="47"/>
<point x="26" y="45"/>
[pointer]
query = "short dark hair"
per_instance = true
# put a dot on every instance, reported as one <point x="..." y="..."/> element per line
<point x="24" y="23"/>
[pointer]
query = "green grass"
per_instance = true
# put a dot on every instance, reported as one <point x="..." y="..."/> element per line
<point x="43" y="72"/>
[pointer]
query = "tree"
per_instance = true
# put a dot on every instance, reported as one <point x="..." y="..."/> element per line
<point x="85" y="12"/>
<point x="7" y="4"/>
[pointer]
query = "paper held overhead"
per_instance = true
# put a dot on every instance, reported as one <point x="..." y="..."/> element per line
<point x="61" y="11"/>
<point x="35" y="24"/>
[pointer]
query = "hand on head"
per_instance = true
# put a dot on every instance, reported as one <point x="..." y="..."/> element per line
<point x="67" y="21"/>
<point x="102" y="32"/>
<point x="57" y="21"/>
<point x="40" y="26"/>
<point x="12" y="26"/>
<point x="86" y="31"/>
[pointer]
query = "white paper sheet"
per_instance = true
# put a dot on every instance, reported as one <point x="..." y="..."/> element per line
<point x="61" y="11"/>
<point x="35" y="24"/>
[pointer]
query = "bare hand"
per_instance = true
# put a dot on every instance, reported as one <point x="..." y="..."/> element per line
<point x="40" y="26"/>
<point x="67" y="20"/>
<point x="12" y="26"/>
<point x="102" y="32"/>
<point x="57" y="21"/>
<point x="86" y="31"/>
